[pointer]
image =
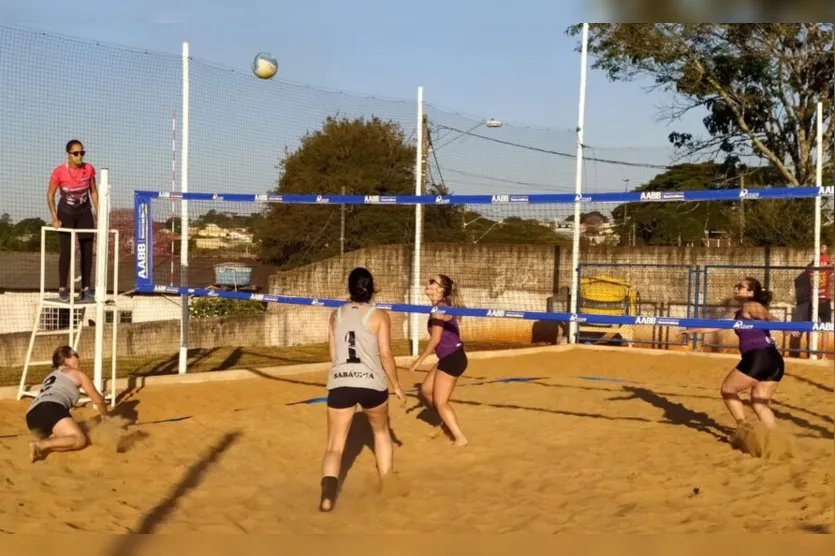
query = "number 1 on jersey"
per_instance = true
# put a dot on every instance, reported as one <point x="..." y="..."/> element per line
<point x="352" y="348"/>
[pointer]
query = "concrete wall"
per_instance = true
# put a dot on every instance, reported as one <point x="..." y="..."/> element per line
<point x="17" y="310"/>
<point x="525" y="277"/>
<point x="161" y="338"/>
<point x="521" y="277"/>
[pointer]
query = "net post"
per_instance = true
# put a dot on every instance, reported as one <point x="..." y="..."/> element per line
<point x="416" y="262"/>
<point x="184" y="235"/>
<point x="575" y="251"/>
<point x="813" y="336"/>
<point x="102" y="237"/>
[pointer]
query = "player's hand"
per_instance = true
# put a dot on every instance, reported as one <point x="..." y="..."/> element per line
<point x="795" y="334"/>
<point x="56" y="223"/>
<point x="398" y="391"/>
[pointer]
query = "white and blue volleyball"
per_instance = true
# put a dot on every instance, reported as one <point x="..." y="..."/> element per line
<point x="264" y="65"/>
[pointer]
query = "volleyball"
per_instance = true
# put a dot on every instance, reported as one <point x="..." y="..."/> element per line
<point x="264" y="65"/>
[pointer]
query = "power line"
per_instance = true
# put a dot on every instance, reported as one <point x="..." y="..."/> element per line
<point x="557" y="153"/>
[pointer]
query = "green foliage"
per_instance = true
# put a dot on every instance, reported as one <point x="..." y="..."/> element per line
<point x="25" y="235"/>
<point x="758" y="82"/>
<point x="368" y="157"/>
<point x="208" y="307"/>
<point x="666" y="223"/>
<point x="773" y="222"/>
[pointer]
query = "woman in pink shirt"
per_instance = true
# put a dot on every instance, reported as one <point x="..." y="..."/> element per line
<point x="75" y="181"/>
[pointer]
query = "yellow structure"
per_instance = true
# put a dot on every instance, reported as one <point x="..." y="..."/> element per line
<point x="604" y="295"/>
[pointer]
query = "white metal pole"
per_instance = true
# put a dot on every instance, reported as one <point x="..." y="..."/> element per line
<point x="813" y="337"/>
<point x="578" y="190"/>
<point x="102" y="236"/>
<point x="414" y="328"/>
<point x="184" y="216"/>
<point x="116" y="314"/>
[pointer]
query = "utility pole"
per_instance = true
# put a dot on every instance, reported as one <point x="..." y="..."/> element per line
<point x="425" y="160"/>
<point x="741" y="211"/>
<point x="342" y="226"/>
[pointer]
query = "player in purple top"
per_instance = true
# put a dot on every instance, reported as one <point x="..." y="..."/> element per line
<point x="445" y="342"/>
<point x="761" y="367"/>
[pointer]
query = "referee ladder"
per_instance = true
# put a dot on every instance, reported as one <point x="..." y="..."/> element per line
<point x="78" y="309"/>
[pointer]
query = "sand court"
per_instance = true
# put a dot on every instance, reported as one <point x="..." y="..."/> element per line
<point x="580" y="440"/>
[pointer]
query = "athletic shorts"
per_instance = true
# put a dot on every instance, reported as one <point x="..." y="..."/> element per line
<point x="43" y="417"/>
<point x="454" y="364"/>
<point x="764" y="364"/>
<point x="347" y="396"/>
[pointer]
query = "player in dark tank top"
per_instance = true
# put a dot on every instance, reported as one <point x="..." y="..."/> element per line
<point x="761" y="365"/>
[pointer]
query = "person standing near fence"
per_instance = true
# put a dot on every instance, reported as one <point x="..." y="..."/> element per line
<point x="75" y="182"/>
<point x="826" y="284"/>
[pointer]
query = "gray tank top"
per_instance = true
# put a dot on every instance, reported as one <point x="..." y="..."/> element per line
<point x="357" y="363"/>
<point x="58" y="388"/>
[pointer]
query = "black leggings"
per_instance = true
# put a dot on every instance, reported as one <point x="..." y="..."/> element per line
<point x="82" y="220"/>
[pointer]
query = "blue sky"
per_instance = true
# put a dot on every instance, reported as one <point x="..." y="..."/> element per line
<point x="488" y="59"/>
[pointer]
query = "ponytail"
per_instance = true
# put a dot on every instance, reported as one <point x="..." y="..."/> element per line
<point x="760" y="294"/>
<point x="451" y="291"/>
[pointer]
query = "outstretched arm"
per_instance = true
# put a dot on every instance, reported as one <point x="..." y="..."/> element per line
<point x="436" y="332"/>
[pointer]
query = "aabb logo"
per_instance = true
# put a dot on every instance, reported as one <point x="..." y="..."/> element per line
<point x="651" y="196"/>
<point x="828" y="190"/>
<point x="261" y="198"/>
<point x="823" y="327"/>
<point x="500" y="199"/>
<point x="256" y="297"/>
<point x="644" y="320"/>
<point x="373" y="199"/>
<point x="495" y="312"/>
<point x="142" y="258"/>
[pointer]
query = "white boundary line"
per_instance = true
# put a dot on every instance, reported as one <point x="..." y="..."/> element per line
<point x="123" y="384"/>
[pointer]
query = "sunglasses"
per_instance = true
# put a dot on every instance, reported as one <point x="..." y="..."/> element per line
<point x="78" y="153"/>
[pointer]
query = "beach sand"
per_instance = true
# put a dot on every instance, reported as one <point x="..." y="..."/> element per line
<point x="600" y="442"/>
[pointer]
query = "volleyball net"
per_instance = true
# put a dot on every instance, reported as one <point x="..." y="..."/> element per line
<point x="510" y="256"/>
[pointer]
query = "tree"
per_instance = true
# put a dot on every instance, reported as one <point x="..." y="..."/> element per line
<point x="676" y="223"/>
<point x="758" y="82"/>
<point x="364" y="157"/>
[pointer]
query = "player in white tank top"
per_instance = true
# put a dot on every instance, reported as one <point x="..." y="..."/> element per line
<point x="362" y="368"/>
<point x="49" y="418"/>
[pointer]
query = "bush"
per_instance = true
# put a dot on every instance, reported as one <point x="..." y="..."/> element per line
<point x="207" y="307"/>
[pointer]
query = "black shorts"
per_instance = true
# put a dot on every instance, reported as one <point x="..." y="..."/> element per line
<point x="347" y="396"/>
<point x="454" y="364"/>
<point x="765" y="364"/>
<point x="43" y="417"/>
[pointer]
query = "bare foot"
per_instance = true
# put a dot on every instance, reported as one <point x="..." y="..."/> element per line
<point x="34" y="452"/>
<point x="460" y="442"/>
